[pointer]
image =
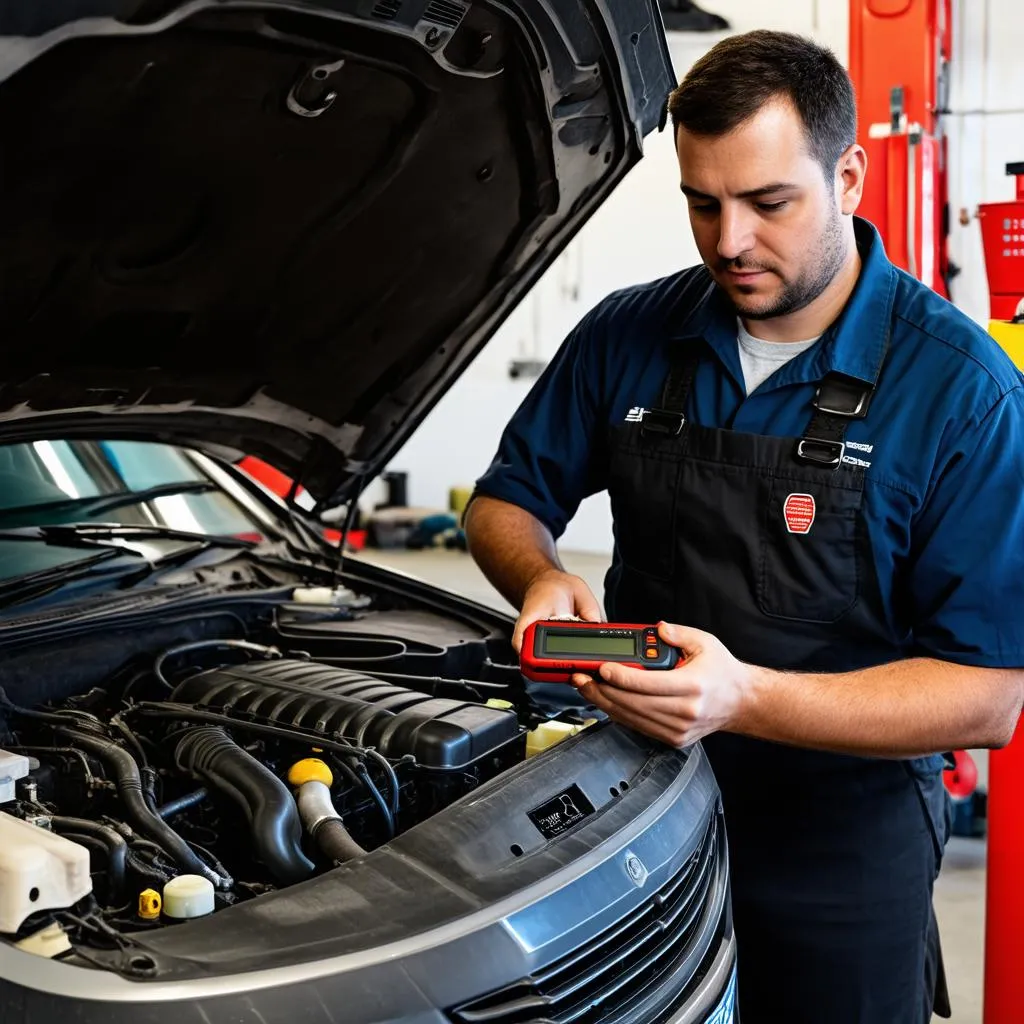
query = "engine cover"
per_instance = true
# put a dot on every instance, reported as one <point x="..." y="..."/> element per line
<point x="323" y="700"/>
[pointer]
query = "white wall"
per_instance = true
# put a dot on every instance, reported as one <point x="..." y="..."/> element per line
<point x="642" y="233"/>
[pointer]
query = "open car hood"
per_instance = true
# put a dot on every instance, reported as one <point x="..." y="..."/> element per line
<point x="284" y="229"/>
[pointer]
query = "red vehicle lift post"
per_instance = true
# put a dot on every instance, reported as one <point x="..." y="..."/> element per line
<point x="899" y="62"/>
<point x="1002" y="226"/>
<point x="899" y="58"/>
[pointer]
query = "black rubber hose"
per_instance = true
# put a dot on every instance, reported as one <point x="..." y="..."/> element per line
<point x="378" y="799"/>
<point x="129" y="788"/>
<point x="391" y="777"/>
<point x="199" y="645"/>
<point x="336" y="842"/>
<point x="212" y="756"/>
<point x="148" y="871"/>
<point x="113" y="842"/>
<point x="183" y="803"/>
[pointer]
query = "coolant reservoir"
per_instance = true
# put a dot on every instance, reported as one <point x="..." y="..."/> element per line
<point x="547" y="734"/>
<point x="188" y="896"/>
<point x="39" y="870"/>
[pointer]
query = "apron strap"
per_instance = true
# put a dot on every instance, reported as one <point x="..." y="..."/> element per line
<point x="670" y="415"/>
<point x="838" y="401"/>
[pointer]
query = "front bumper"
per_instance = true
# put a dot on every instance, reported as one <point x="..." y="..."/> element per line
<point x="592" y="881"/>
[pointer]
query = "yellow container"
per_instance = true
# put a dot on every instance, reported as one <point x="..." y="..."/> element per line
<point x="1010" y="338"/>
<point x="548" y="734"/>
<point x="458" y="499"/>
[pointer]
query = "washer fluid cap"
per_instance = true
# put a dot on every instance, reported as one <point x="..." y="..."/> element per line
<point x="188" y="896"/>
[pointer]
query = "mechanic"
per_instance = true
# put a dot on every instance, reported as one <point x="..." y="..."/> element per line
<point x="815" y="469"/>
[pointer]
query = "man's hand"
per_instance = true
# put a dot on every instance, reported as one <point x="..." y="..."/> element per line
<point x="901" y="709"/>
<point x="703" y="694"/>
<point x="555" y="595"/>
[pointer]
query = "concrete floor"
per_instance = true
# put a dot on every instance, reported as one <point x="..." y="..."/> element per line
<point x="960" y="890"/>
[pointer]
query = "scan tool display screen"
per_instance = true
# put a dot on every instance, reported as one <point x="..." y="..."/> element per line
<point x="581" y="643"/>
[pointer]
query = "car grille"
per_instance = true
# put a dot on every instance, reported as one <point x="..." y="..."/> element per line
<point x="386" y="9"/>
<point x="617" y="968"/>
<point x="445" y="12"/>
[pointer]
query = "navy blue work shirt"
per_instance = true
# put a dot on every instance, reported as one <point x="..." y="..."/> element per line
<point x="942" y="445"/>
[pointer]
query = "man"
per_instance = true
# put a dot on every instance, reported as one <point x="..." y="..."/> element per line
<point x="815" y="468"/>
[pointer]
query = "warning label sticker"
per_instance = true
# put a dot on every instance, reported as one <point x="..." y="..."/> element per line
<point x="799" y="513"/>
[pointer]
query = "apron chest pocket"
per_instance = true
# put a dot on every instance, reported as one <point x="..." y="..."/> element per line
<point x="809" y="567"/>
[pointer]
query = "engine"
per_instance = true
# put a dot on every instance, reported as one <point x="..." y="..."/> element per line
<point x="180" y="794"/>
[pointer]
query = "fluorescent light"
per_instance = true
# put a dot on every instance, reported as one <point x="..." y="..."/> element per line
<point x="176" y="513"/>
<point x="51" y="460"/>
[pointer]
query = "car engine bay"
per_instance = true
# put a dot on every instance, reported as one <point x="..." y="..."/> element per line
<point x="160" y="782"/>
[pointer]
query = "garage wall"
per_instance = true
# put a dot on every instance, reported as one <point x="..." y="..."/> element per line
<point x="455" y="444"/>
<point x="986" y="132"/>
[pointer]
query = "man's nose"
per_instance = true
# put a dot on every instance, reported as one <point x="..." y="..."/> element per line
<point x="736" y="235"/>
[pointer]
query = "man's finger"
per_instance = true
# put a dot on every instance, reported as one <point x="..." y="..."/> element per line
<point x="527" y="617"/>
<point x="553" y="608"/>
<point x="671" y="712"/>
<point x="517" y="634"/>
<point x="649" y="727"/>
<point x="647" y="681"/>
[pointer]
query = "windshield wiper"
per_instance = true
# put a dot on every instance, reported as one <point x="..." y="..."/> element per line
<point x="91" y="507"/>
<point x="108" y="502"/>
<point x="87" y="535"/>
<point x="84" y="535"/>
<point x="39" y="584"/>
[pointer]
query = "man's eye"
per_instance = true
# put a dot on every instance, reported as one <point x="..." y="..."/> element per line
<point x="773" y="207"/>
<point x="702" y="207"/>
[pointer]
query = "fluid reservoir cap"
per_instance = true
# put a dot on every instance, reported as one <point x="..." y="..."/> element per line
<point x="188" y="896"/>
<point x="149" y="904"/>
<point x="310" y="769"/>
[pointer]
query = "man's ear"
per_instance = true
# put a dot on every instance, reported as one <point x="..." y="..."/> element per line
<point x="851" y="170"/>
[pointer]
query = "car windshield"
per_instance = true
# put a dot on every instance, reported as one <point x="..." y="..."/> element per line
<point x="130" y="483"/>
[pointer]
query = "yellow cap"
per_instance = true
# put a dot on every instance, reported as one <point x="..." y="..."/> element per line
<point x="310" y="769"/>
<point x="149" y="904"/>
<point x="497" y="702"/>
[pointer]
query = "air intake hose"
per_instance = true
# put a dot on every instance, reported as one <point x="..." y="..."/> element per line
<point x="209" y="754"/>
<point x="324" y="823"/>
<point x="129" y="787"/>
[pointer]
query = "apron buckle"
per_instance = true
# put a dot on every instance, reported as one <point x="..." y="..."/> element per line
<point x="661" y="421"/>
<point x="836" y="396"/>
<point x="820" y="451"/>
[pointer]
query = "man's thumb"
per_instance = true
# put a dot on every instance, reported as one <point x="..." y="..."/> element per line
<point x="685" y="638"/>
<point x="587" y="607"/>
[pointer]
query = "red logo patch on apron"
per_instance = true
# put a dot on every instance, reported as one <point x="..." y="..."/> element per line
<point x="799" y="513"/>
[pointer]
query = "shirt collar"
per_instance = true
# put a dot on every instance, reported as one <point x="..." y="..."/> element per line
<point x="854" y="345"/>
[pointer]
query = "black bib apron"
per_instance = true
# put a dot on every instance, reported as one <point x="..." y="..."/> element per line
<point x="761" y="541"/>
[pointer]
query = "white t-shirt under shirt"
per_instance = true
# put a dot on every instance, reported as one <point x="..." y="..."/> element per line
<point x="760" y="359"/>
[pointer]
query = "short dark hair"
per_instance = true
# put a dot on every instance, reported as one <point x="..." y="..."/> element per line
<point x="736" y="78"/>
